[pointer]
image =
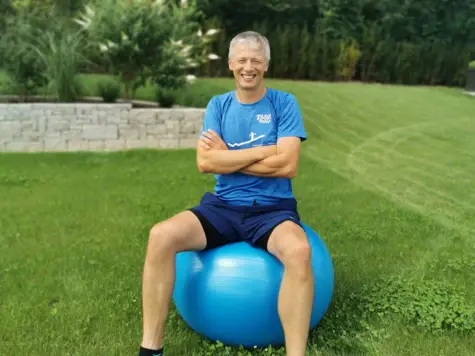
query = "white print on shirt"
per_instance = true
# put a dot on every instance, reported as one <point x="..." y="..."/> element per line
<point x="264" y="118"/>
<point x="253" y="138"/>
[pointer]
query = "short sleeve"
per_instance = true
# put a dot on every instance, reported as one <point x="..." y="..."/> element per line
<point x="212" y="117"/>
<point x="290" y="119"/>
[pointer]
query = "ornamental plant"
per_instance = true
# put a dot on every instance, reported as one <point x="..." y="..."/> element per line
<point x="25" y="70"/>
<point x="142" y="40"/>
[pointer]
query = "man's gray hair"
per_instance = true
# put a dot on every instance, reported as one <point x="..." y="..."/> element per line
<point x="254" y="40"/>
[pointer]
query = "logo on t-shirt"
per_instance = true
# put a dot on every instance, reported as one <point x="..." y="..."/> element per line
<point x="264" y="118"/>
<point x="253" y="137"/>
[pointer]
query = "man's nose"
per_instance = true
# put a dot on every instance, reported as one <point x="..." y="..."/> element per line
<point x="248" y="65"/>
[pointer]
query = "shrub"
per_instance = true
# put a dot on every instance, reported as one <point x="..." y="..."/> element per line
<point x="146" y="39"/>
<point x="471" y="64"/>
<point x="109" y="90"/>
<point x="62" y="55"/>
<point x="165" y="97"/>
<point x="348" y="59"/>
<point x="24" y="68"/>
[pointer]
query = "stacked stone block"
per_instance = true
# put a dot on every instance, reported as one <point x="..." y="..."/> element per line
<point x="46" y="127"/>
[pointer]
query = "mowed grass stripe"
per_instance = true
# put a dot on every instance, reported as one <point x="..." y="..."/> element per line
<point x="384" y="161"/>
<point x="374" y="166"/>
<point x="378" y="154"/>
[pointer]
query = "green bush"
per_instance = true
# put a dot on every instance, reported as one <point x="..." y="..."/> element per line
<point x="147" y="40"/>
<point x="348" y="59"/>
<point x="165" y="97"/>
<point x="62" y="53"/>
<point x="109" y="89"/>
<point x="471" y="64"/>
<point x="25" y="70"/>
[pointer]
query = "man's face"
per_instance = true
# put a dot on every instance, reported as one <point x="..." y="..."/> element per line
<point x="248" y="65"/>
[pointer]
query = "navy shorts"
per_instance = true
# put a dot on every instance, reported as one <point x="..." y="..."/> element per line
<point x="224" y="223"/>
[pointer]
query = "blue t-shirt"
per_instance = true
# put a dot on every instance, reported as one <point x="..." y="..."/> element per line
<point x="241" y="126"/>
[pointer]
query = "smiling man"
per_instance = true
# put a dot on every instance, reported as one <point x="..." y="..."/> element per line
<point x="251" y="142"/>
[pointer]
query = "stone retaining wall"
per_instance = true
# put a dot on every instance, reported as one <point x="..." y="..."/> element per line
<point x="40" y="127"/>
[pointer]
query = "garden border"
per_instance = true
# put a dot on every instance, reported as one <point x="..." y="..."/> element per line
<point x="45" y="127"/>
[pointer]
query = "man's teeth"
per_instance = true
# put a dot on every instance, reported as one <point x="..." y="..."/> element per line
<point x="248" y="76"/>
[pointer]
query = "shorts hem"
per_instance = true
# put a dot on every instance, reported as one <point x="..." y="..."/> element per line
<point x="263" y="241"/>
<point x="213" y="237"/>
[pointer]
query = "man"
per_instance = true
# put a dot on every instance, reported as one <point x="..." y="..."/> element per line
<point x="251" y="142"/>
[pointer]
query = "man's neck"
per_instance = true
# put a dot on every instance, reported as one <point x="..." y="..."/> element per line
<point x="250" y="96"/>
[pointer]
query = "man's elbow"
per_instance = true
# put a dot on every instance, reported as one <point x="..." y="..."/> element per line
<point x="201" y="169"/>
<point x="203" y="161"/>
<point x="203" y="166"/>
<point x="290" y="171"/>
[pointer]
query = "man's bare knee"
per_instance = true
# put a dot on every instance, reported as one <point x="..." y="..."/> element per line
<point x="297" y="258"/>
<point x="179" y="233"/>
<point x="298" y="254"/>
<point x="290" y="245"/>
<point x="163" y="238"/>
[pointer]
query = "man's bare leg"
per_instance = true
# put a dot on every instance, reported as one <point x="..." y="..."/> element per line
<point x="182" y="232"/>
<point x="288" y="242"/>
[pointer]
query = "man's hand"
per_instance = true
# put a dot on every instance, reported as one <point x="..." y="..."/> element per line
<point x="211" y="140"/>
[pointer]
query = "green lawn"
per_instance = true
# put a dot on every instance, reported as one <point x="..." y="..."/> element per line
<point x="386" y="178"/>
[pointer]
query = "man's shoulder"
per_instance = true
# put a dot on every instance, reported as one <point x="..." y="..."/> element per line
<point x="222" y="99"/>
<point x="280" y="94"/>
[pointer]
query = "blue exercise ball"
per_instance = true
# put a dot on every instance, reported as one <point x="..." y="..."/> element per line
<point x="230" y="293"/>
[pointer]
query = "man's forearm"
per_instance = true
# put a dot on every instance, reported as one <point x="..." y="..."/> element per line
<point x="261" y="170"/>
<point x="273" y="166"/>
<point x="230" y="161"/>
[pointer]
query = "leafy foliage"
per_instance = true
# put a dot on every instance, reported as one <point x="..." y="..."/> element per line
<point x="410" y="42"/>
<point x="24" y="68"/>
<point x="431" y="305"/>
<point x="62" y="54"/>
<point x="49" y="7"/>
<point x="165" y="97"/>
<point x="38" y="53"/>
<point x="109" y="89"/>
<point x="147" y="40"/>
